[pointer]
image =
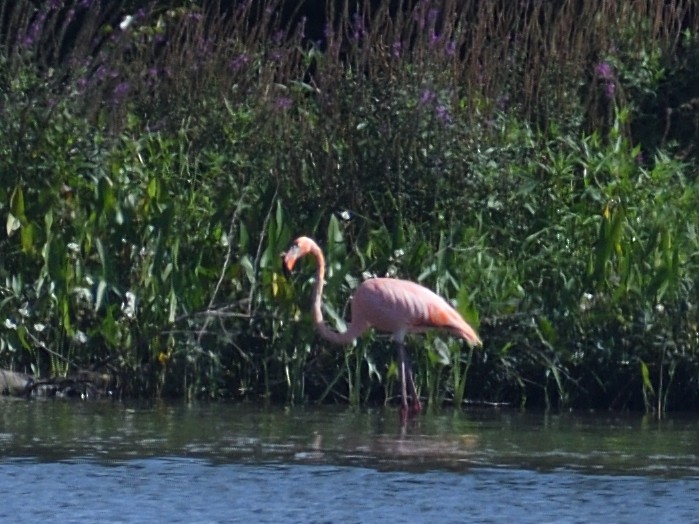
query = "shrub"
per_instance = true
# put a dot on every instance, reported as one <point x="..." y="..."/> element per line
<point x="155" y="161"/>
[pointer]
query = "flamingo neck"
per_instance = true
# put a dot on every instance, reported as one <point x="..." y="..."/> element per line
<point x="321" y="327"/>
<point x="316" y="306"/>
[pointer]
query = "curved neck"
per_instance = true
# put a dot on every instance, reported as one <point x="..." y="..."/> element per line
<point x="354" y="329"/>
<point x="316" y="305"/>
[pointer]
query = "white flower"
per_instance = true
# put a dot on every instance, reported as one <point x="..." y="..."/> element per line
<point x="80" y="337"/>
<point x="129" y="306"/>
<point x="126" y="22"/>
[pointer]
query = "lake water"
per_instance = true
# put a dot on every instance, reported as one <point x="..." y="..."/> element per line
<point x="80" y="462"/>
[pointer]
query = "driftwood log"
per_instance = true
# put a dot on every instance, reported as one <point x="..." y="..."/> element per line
<point x="83" y="384"/>
<point x="14" y="383"/>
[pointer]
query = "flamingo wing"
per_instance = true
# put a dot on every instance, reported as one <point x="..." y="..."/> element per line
<point x="401" y="306"/>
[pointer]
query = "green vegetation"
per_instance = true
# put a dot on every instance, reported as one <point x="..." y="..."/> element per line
<point x="536" y="164"/>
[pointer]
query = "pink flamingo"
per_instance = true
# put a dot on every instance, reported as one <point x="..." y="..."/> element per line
<point x="387" y="304"/>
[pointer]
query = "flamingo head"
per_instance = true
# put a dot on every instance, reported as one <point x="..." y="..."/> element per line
<point x="300" y="248"/>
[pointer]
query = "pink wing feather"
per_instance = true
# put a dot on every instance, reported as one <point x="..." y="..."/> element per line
<point x="401" y="306"/>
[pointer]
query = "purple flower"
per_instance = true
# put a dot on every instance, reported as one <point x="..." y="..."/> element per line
<point x="604" y="71"/>
<point x="34" y="30"/>
<point x="609" y="89"/>
<point x="101" y="73"/>
<point x="239" y="62"/>
<point x="450" y="49"/>
<point x="426" y="97"/>
<point x="282" y="103"/>
<point x="397" y="47"/>
<point x="357" y="26"/>
<point x="121" y="90"/>
<point x="443" y="114"/>
<point x="432" y="15"/>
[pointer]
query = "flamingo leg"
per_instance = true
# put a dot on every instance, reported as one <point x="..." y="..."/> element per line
<point x="407" y="381"/>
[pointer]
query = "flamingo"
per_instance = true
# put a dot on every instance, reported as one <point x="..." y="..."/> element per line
<point x="386" y="304"/>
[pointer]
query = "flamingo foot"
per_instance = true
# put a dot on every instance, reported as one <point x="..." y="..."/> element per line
<point x="416" y="407"/>
<point x="409" y="411"/>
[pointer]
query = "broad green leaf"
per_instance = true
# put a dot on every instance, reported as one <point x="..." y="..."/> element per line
<point x="17" y="204"/>
<point x="153" y="188"/>
<point x="440" y="350"/>
<point x="27" y="238"/>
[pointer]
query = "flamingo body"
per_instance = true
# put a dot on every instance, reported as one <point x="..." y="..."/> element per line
<point x="392" y="305"/>
<point x="401" y="306"/>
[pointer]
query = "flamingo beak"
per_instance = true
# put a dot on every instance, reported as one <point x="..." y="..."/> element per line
<point x="288" y="261"/>
<point x="285" y="269"/>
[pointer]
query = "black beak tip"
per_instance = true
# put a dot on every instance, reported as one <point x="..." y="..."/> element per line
<point x="285" y="270"/>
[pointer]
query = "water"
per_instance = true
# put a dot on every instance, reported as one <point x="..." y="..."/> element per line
<point x="79" y="462"/>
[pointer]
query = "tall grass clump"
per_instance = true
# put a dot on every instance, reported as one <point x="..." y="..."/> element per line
<point x="533" y="161"/>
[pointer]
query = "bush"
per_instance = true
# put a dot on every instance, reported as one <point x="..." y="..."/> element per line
<point x="155" y="162"/>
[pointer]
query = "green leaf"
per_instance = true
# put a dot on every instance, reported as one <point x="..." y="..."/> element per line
<point x="335" y="246"/>
<point x="331" y="312"/>
<point x="440" y="350"/>
<point x="646" y="377"/>
<point x="48" y="220"/>
<point x="109" y="328"/>
<point x="22" y="335"/>
<point x="17" y="204"/>
<point x="153" y="188"/>
<point x="466" y="309"/>
<point x="103" y="258"/>
<point x="246" y="264"/>
<point x="547" y="330"/>
<point x="27" y="238"/>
